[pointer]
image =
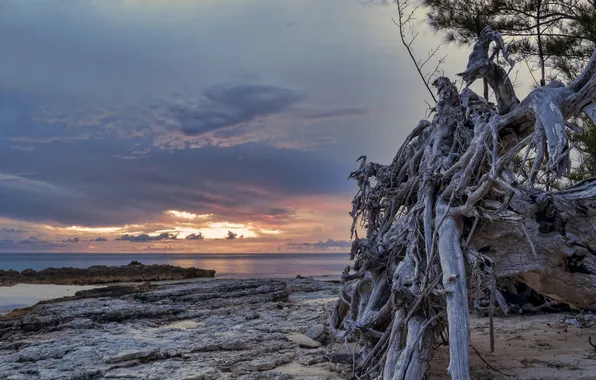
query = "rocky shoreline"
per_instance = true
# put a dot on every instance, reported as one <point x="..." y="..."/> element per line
<point x="101" y="274"/>
<point x="260" y="329"/>
<point x="221" y="329"/>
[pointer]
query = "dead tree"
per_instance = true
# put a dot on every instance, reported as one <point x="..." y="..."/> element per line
<point x="452" y="212"/>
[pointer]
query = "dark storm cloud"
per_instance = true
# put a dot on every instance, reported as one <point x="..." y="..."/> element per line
<point x="82" y="184"/>
<point x="99" y="239"/>
<point x="195" y="236"/>
<point x="231" y="235"/>
<point x="233" y="105"/>
<point x="145" y="238"/>
<point x="72" y="240"/>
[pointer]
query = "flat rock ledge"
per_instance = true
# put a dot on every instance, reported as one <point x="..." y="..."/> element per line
<point x="101" y="274"/>
<point x="221" y="329"/>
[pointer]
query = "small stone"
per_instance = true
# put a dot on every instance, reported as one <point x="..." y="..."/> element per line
<point x="304" y="341"/>
<point x="316" y="332"/>
<point x="263" y="364"/>
<point x="128" y="355"/>
<point x="266" y="376"/>
<point x="207" y="373"/>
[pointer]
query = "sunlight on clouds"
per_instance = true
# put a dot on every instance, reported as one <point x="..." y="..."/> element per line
<point x="220" y="229"/>
<point x="270" y="232"/>
<point x="216" y="230"/>
<point x="100" y="230"/>
<point x="181" y="232"/>
<point x="262" y="231"/>
<point x="187" y="215"/>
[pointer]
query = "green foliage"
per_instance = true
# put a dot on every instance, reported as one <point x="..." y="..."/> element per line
<point x="586" y="154"/>
<point x="556" y="37"/>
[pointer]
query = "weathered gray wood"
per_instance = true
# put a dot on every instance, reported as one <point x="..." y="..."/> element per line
<point x="413" y="361"/>
<point x="456" y="191"/>
<point x="454" y="282"/>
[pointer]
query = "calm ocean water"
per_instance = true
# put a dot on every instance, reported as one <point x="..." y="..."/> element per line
<point x="226" y="265"/>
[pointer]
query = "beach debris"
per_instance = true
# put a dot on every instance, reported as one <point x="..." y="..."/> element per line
<point x="473" y="197"/>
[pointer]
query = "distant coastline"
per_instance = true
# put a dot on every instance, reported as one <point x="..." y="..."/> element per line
<point x="102" y="274"/>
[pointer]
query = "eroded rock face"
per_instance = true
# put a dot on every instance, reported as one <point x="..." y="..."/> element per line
<point x="223" y="329"/>
<point x="101" y="274"/>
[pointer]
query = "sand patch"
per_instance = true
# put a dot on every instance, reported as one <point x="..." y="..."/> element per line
<point x="182" y="325"/>
<point x="302" y="370"/>
<point x="539" y="347"/>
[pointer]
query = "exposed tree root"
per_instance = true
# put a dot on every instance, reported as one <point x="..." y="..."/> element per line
<point x="453" y="214"/>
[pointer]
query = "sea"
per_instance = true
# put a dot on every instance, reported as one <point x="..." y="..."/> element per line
<point x="236" y="265"/>
<point x="225" y="264"/>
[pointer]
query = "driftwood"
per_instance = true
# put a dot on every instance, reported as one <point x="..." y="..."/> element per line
<point x="453" y="215"/>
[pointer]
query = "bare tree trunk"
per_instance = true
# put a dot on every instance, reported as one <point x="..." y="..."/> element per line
<point x="456" y="291"/>
<point x="452" y="212"/>
<point x="540" y="47"/>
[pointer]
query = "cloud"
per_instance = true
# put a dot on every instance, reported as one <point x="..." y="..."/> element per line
<point x="333" y="113"/>
<point x="72" y="240"/>
<point x="195" y="236"/>
<point x="279" y="211"/>
<point x="24" y="148"/>
<point x="99" y="239"/>
<point x="134" y="154"/>
<point x="145" y="237"/>
<point x="222" y="115"/>
<point x="30" y="244"/>
<point x="233" y="105"/>
<point x="83" y="186"/>
<point x="231" y="235"/>
<point x="12" y="230"/>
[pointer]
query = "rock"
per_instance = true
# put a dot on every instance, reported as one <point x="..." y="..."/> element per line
<point x="204" y="374"/>
<point x="129" y="355"/>
<point x="101" y="274"/>
<point x="258" y="365"/>
<point x="591" y="308"/>
<point x="304" y="341"/>
<point x="113" y="291"/>
<point x="316" y="332"/>
<point x="267" y="376"/>
<point x="191" y="331"/>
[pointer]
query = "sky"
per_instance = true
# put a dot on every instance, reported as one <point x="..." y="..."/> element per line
<point x="196" y="125"/>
